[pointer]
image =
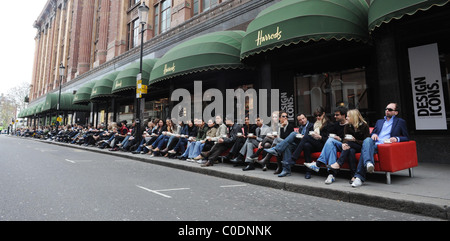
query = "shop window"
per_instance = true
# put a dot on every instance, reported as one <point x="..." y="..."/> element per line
<point x="157" y="109"/>
<point x="133" y="34"/>
<point x="203" y="5"/>
<point x="126" y="112"/>
<point x="331" y="89"/>
<point x="163" y="16"/>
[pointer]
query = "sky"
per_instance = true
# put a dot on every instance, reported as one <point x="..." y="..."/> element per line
<point x="17" y="43"/>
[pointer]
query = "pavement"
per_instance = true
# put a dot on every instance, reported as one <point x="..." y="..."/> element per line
<point x="426" y="193"/>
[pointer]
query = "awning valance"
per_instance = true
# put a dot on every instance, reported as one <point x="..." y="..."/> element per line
<point x="294" y="21"/>
<point x="103" y="87"/>
<point x="213" y="51"/>
<point x="126" y="79"/>
<point x="383" y="11"/>
<point x="51" y="103"/>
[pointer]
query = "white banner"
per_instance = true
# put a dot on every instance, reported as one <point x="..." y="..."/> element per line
<point x="428" y="97"/>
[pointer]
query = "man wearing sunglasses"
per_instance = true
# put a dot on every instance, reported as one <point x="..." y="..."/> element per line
<point x="390" y="129"/>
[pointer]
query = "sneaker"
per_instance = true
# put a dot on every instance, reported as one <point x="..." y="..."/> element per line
<point x="312" y="166"/>
<point x="370" y="167"/>
<point x="330" y="179"/>
<point x="202" y="161"/>
<point x="284" y="173"/>
<point x="357" y="182"/>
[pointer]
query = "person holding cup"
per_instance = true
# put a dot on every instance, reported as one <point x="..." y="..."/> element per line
<point x="391" y="128"/>
<point x="312" y="142"/>
<point x="356" y="131"/>
<point x="333" y="143"/>
<point x="253" y="141"/>
<point x="288" y="145"/>
<point x="224" y="142"/>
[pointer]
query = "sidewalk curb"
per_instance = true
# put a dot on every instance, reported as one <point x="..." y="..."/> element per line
<point x="379" y="201"/>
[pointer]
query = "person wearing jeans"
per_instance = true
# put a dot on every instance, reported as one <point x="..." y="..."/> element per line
<point x="390" y="129"/>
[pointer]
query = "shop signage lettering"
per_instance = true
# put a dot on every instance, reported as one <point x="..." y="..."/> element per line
<point x="287" y="105"/>
<point x="169" y="69"/>
<point x="267" y="37"/>
<point x="216" y="106"/>
<point x="428" y="97"/>
<point x="426" y="80"/>
<point x="118" y="84"/>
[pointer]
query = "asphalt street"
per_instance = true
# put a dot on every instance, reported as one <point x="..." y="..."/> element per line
<point x="50" y="182"/>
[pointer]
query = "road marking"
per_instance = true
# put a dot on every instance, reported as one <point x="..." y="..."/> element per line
<point x="239" y="185"/>
<point x="159" y="191"/>
<point x="67" y="160"/>
<point x="175" y="189"/>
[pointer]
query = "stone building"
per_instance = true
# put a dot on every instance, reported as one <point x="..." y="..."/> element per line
<point x="316" y="53"/>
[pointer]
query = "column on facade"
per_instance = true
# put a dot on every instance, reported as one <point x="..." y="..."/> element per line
<point x="67" y="6"/>
<point x="34" y="78"/>
<point x="181" y="12"/>
<point x="72" y="64"/>
<point x="54" y="23"/>
<point x="48" y="77"/>
<point x="43" y="60"/>
<point x="58" y="44"/>
<point x="84" y="56"/>
<point x="117" y="30"/>
<point x="102" y="45"/>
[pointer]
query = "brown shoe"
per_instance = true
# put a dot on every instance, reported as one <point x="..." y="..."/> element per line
<point x="207" y="164"/>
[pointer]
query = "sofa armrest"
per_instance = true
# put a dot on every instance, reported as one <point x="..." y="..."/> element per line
<point x="397" y="156"/>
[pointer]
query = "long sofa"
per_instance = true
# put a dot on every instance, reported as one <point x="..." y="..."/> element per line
<point x="389" y="159"/>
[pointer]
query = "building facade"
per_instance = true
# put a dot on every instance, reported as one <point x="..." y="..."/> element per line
<point x="360" y="53"/>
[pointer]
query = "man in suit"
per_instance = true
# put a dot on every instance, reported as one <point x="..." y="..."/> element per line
<point x="390" y="129"/>
<point x="285" y="148"/>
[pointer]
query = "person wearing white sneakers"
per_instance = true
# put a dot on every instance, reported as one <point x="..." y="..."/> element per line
<point x="390" y="129"/>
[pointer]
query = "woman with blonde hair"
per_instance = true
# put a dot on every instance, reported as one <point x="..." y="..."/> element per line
<point x="356" y="131"/>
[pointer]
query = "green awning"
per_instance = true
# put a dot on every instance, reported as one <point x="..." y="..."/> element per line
<point x="383" y="11"/>
<point x="38" y="108"/>
<point x="28" y="111"/>
<point x="126" y="79"/>
<point x="295" y="21"/>
<point x="83" y="95"/>
<point x="51" y="103"/>
<point x="21" y="114"/>
<point x="103" y="87"/>
<point x="218" y="50"/>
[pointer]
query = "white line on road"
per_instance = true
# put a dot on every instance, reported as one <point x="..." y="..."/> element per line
<point x="159" y="191"/>
<point x="239" y="185"/>
<point x="67" y="160"/>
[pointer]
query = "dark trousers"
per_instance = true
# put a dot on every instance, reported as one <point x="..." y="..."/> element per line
<point x="217" y="150"/>
<point x="308" y="145"/>
<point x="349" y="155"/>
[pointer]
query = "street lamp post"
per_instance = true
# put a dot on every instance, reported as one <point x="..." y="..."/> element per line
<point x="61" y="76"/>
<point x="140" y="88"/>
